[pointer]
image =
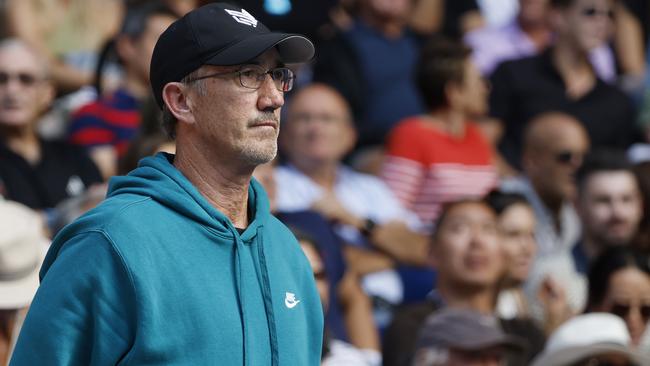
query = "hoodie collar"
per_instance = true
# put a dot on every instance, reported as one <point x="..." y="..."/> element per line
<point x="159" y="179"/>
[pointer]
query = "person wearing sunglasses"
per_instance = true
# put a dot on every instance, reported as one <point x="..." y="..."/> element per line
<point x="619" y="283"/>
<point x="554" y="146"/>
<point x="562" y="78"/>
<point x="183" y="263"/>
<point x="36" y="172"/>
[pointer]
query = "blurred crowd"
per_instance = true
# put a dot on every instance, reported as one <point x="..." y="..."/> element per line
<point x="469" y="179"/>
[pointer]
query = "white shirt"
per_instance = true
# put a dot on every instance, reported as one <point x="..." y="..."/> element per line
<point x="364" y="196"/>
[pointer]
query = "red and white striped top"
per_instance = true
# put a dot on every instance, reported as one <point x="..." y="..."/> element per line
<point x="426" y="167"/>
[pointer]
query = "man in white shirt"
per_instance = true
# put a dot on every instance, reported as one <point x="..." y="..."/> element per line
<point x="317" y="133"/>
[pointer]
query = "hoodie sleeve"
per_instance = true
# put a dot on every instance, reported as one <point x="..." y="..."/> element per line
<point x="84" y="311"/>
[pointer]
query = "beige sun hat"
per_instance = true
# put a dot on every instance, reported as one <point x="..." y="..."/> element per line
<point x="22" y="249"/>
<point x="589" y="335"/>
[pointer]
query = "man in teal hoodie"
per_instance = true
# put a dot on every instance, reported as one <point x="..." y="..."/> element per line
<point x="183" y="264"/>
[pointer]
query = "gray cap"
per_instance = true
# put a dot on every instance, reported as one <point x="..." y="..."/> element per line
<point x="466" y="330"/>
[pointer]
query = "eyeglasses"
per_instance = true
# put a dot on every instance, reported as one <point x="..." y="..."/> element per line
<point x="252" y="77"/>
<point x="566" y="157"/>
<point x="25" y="79"/>
<point x="623" y="310"/>
<point x="593" y="12"/>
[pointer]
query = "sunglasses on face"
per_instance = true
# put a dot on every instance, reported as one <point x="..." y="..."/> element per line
<point x="594" y="12"/>
<point x="623" y="310"/>
<point x="25" y="79"/>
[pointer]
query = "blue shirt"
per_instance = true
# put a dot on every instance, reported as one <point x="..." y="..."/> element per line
<point x="388" y="67"/>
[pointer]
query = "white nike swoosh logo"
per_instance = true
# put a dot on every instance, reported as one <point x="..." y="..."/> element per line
<point x="291" y="304"/>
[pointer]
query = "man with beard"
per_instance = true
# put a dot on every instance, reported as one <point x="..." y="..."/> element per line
<point x="609" y="204"/>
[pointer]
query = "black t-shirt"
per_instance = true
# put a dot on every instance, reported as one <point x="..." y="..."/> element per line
<point x="64" y="171"/>
<point x="522" y="89"/>
<point x="401" y="336"/>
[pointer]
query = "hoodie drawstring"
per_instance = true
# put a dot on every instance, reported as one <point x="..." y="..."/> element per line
<point x="240" y="288"/>
<point x="268" y="300"/>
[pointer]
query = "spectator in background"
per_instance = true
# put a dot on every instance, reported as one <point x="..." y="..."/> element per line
<point x="590" y="340"/>
<point x="528" y="34"/>
<point x="457" y="337"/>
<point x="563" y="79"/>
<point x="466" y="251"/>
<point x="335" y="351"/>
<point x="316" y="135"/>
<point x="106" y="126"/>
<point x="517" y="226"/>
<point x="37" y="173"/>
<point x="441" y="156"/>
<point x="619" y="283"/>
<point x="22" y="248"/>
<point x="554" y="147"/>
<point x="380" y="93"/>
<point x="516" y="220"/>
<point x="609" y="204"/>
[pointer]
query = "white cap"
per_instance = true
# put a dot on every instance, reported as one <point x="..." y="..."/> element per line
<point x="585" y="336"/>
<point x="22" y="248"/>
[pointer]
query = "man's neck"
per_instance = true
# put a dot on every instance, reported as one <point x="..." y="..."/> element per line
<point x="223" y="184"/>
<point x="574" y="68"/>
<point x="390" y="28"/>
<point x="537" y="32"/>
<point x="591" y="247"/>
<point x="323" y="174"/>
<point x="23" y="141"/>
<point x="482" y="300"/>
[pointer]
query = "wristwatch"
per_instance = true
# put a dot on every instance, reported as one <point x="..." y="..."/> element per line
<point x="369" y="226"/>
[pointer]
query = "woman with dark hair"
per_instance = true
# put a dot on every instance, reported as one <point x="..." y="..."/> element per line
<point x="442" y="156"/>
<point x="619" y="283"/>
<point x="516" y="221"/>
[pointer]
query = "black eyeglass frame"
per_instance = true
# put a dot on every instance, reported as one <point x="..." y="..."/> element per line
<point x="286" y="85"/>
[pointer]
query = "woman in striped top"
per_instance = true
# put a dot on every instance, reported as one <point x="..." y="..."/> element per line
<point x="442" y="156"/>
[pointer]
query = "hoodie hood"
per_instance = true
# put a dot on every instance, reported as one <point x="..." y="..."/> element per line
<point x="157" y="178"/>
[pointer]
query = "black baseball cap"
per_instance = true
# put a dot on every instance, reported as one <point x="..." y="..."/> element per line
<point x="218" y="34"/>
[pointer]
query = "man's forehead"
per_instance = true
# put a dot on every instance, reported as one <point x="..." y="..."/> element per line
<point x="28" y="61"/>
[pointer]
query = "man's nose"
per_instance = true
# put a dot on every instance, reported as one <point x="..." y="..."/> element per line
<point x="269" y="95"/>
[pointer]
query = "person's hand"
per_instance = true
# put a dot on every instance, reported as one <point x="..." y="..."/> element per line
<point x="330" y="207"/>
<point x="552" y="297"/>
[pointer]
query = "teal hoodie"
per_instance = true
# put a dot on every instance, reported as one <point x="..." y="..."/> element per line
<point x="157" y="276"/>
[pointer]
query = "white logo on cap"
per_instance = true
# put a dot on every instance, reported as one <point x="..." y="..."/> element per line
<point x="243" y="17"/>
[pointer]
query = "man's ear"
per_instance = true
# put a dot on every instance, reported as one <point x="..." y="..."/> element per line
<point x="175" y="98"/>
